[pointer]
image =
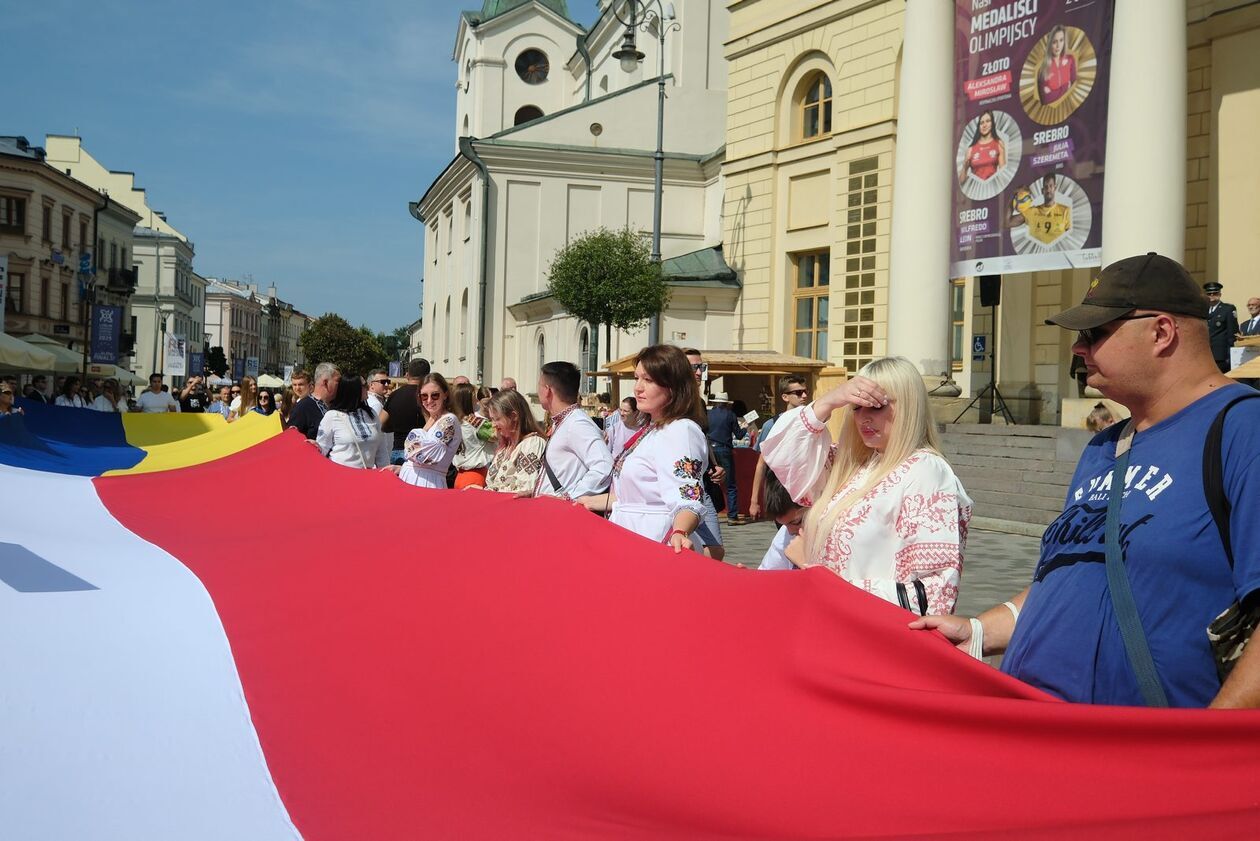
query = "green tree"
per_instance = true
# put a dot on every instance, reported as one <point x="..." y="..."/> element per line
<point x="216" y="361"/>
<point x="394" y="342"/>
<point x="330" y="338"/>
<point x="608" y="277"/>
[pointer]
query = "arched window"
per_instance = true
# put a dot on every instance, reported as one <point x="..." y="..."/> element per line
<point x="527" y="113"/>
<point x="542" y="352"/>
<point x="816" y="106"/>
<point x="463" y="326"/>
<point x="465" y="125"/>
<point x="446" y="330"/>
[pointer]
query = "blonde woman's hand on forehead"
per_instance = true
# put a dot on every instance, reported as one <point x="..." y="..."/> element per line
<point x="857" y="392"/>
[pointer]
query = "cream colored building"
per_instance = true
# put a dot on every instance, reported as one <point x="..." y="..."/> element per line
<point x="833" y="105"/>
<point x="553" y="142"/>
<point x="50" y="222"/>
<point x="170" y="296"/>
<point x="235" y="317"/>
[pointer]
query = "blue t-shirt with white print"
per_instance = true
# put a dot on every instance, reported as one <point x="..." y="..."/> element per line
<point x="1067" y="641"/>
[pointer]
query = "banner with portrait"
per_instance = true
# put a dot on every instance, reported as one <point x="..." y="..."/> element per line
<point x="1030" y="128"/>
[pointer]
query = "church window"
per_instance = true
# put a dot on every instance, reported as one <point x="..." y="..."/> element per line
<point x="532" y="66"/>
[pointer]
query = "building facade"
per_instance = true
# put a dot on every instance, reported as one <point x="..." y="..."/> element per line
<point x="836" y="216"/>
<point x="553" y="142"/>
<point x="235" y="317"/>
<point x="52" y="225"/>
<point x="170" y="296"/>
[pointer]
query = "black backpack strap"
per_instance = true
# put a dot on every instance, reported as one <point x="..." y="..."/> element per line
<point x="1214" y="476"/>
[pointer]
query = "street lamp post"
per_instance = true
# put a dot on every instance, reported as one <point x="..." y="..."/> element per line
<point x="641" y="15"/>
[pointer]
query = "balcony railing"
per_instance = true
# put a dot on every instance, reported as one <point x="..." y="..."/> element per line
<point x="122" y="280"/>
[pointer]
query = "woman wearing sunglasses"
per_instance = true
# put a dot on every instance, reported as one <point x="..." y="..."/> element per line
<point x="265" y="404"/>
<point x="246" y="400"/>
<point x="429" y="450"/>
<point x="109" y="400"/>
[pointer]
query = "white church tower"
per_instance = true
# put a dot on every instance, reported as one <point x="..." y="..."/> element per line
<point x="511" y="57"/>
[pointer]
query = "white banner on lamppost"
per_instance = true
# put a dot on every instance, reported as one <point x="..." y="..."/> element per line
<point x="176" y="355"/>
<point x="251" y="366"/>
<point x="288" y="374"/>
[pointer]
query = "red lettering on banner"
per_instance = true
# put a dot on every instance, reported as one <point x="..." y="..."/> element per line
<point x="987" y="86"/>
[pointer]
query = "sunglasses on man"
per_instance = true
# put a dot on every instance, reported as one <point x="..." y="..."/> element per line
<point x="1094" y="335"/>
<point x="797" y="392"/>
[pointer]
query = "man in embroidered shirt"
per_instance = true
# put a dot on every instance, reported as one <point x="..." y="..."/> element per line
<point x="309" y="411"/>
<point x="577" y="459"/>
<point x="1142" y="331"/>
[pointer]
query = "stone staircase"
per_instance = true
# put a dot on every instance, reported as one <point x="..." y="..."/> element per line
<point x="1017" y="475"/>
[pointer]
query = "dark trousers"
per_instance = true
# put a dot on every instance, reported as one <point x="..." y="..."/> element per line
<point x="727" y="460"/>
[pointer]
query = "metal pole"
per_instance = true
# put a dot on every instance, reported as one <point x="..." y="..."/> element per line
<point x="654" y="325"/>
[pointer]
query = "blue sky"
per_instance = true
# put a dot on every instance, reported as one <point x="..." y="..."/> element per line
<point x="284" y="137"/>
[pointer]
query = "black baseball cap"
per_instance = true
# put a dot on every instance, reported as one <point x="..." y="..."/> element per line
<point x="1148" y="281"/>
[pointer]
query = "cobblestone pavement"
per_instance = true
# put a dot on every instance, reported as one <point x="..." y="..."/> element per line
<point x="996" y="566"/>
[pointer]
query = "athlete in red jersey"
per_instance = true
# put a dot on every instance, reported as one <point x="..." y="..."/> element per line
<point x="987" y="152"/>
<point x="1058" y="71"/>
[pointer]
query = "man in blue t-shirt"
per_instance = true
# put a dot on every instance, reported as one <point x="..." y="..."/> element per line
<point x="1142" y="331"/>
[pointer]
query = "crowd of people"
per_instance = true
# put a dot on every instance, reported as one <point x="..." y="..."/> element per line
<point x="878" y="504"/>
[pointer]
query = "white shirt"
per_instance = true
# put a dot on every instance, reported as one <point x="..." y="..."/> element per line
<point x="104" y="404"/>
<point x="353" y="440"/>
<point x="577" y="455"/>
<point x="77" y="401"/>
<point x="156" y="403"/>
<point x="776" y="556"/>
<point x="429" y="453"/>
<point x="377" y="405"/>
<point x="912" y="526"/>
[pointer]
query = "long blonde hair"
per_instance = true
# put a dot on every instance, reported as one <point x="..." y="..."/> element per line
<point x="912" y="429"/>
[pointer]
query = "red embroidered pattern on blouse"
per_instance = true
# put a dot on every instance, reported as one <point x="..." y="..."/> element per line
<point x="932" y="513"/>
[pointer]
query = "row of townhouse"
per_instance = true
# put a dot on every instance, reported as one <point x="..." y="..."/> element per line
<point x="76" y="236"/>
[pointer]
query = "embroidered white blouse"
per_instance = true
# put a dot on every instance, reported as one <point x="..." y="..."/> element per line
<point x="660" y="476"/>
<point x="910" y="527"/>
<point x="353" y="440"/>
<point x="429" y="452"/>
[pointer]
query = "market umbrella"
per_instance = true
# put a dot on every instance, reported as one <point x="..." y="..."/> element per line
<point x="270" y="381"/>
<point x="66" y="360"/>
<point x="17" y="355"/>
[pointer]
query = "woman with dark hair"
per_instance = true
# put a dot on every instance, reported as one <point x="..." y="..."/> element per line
<point x="264" y="406"/>
<point x="987" y="153"/>
<point x="430" y="449"/>
<point x="284" y="404"/>
<point x="110" y="399"/>
<point x="70" y="395"/>
<point x="657" y="488"/>
<point x="1057" y="73"/>
<point x="518" y="463"/>
<point x="622" y="424"/>
<point x="349" y="433"/>
<point x="477" y="433"/>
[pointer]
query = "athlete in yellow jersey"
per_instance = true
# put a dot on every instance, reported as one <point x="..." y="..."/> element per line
<point x="1047" y="221"/>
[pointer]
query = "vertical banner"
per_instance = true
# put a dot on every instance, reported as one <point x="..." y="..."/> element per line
<point x="196" y="363"/>
<point x="106" y="332"/>
<point x="238" y="369"/>
<point x="251" y="366"/>
<point x="1030" y="124"/>
<point x="176" y="355"/>
<point x="4" y="285"/>
<point x="395" y="369"/>
<point x="288" y="374"/>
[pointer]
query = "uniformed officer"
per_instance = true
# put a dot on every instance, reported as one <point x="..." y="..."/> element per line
<point x="1222" y="325"/>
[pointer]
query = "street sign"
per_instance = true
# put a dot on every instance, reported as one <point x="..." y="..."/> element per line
<point x="979" y="346"/>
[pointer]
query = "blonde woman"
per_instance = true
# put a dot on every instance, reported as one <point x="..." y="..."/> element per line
<point x="245" y="401"/>
<point x="518" y="463"/>
<point x="888" y="514"/>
